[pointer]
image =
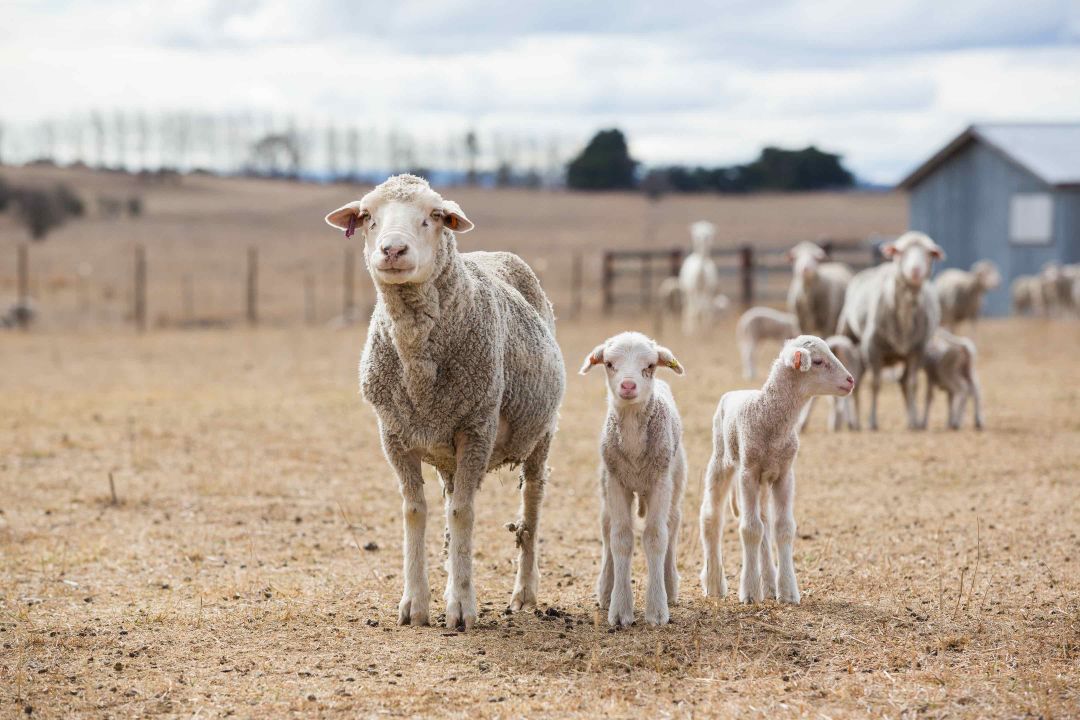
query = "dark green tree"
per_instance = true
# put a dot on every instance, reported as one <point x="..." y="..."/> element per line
<point x="604" y="164"/>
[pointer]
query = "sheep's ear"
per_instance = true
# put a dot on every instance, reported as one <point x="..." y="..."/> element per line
<point x="340" y="217"/>
<point x="667" y="359"/>
<point x="937" y="253"/>
<point x="796" y="358"/>
<point x="596" y="357"/>
<point x="888" y="250"/>
<point x="454" y="217"/>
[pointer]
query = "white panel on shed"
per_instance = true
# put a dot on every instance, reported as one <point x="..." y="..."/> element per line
<point x="1031" y="218"/>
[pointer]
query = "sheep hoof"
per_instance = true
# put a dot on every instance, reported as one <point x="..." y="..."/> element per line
<point x="458" y="618"/>
<point x="522" y="600"/>
<point x="657" y="616"/>
<point x="412" y="611"/>
<point x="620" y="617"/>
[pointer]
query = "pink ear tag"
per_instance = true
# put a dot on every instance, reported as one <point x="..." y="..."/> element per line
<point x="352" y="226"/>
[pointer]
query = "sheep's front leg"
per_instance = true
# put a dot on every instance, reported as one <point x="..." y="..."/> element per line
<point x="717" y="484"/>
<point x="619" y="502"/>
<point x="606" y="579"/>
<point x="875" y="388"/>
<point x="768" y="569"/>
<point x="926" y="405"/>
<point x="783" y="501"/>
<point x="908" y="382"/>
<point x="674" y="523"/>
<point x="533" y="477"/>
<point x="416" y="596"/>
<point x="976" y="396"/>
<point x="460" y="595"/>
<point x="751" y="533"/>
<point x="655" y="540"/>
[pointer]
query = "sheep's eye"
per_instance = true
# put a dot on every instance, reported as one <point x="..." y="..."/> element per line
<point x="372" y="224"/>
<point x="610" y="366"/>
<point x="819" y="362"/>
<point x="651" y="367"/>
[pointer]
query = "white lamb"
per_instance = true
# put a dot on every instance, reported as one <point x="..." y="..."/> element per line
<point x="1027" y="295"/>
<point x="960" y="292"/>
<point x="642" y="454"/>
<point x="755" y="436"/>
<point x="949" y="363"/>
<point x="762" y="323"/>
<point x="816" y="293"/>
<point x="699" y="280"/>
<point x="845" y="410"/>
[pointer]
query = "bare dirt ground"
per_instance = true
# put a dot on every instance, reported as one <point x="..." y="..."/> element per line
<point x="250" y="564"/>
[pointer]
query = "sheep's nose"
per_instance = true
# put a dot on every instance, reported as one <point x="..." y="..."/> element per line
<point x="628" y="385"/>
<point x="393" y="249"/>
<point x="850" y="380"/>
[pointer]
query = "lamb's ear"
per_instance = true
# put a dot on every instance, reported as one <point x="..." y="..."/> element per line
<point x="668" y="359"/>
<point x="936" y="252"/>
<point x="796" y="358"/>
<point x="888" y="250"/>
<point x="340" y="217"/>
<point x="596" y="357"/>
<point x="454" y="217"/>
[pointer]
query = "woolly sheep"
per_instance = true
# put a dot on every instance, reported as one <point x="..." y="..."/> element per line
<point x="463" y="371"/>
<point x="762" y="323"/>
<point x="642" y="454"/>
<point x="699" y="280"/>
<point x="816" y="293"/>
<point x="960" y="292"/>
<point x="755" y="436"/>
<point x="891" y="312"/>
<point x="1027" y="294"/>
<point x="949" y="362"/>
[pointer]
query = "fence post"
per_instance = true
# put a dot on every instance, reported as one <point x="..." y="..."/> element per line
<point x="253" y="285"/>
<point x="349" y="300"/>
<point x="575" y="286"/>
<point x="140" y="288"/>
<point x="747" y="255"/>
<point x="607" y="280"/>
<point x="676" y="262"/>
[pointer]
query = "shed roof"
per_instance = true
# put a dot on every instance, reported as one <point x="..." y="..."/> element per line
<point x="1050" y="151"/>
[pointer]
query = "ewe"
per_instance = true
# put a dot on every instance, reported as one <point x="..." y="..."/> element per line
<point x="891" y="311"/>
<point x="463" y="371"/>
<point x="816" y="293"/>
<point x="699" y="280"/>
<point x="755" y="435"/>
<point x="762" y="323"/>
<point x="641" y="454"/>
<point x="960" y="292"/>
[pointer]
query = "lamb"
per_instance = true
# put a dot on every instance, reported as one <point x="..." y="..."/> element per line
<point x="1027" y="295"/>
<point x="949" y="362"/>
<point x="891" y="312"/>
<point x="755" y="436"/>
<point x="699" y="280"/>
<point x="463" y="371"/>
<point x="762" y="323"/>
<point x="642" y="454"/>
<point x="816" y="293"/>
<point x="960" y="292"/>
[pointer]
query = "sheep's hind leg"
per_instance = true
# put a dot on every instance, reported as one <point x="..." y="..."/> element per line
<point x="717" y="485"/>
<point x="783" y="508"/>
<point x="751" y="532"/>
<point x="533" y="478"/>
<point x="606" y="579"/>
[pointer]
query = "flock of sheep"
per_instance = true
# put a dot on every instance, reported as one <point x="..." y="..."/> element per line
<point x="463" y="370"/>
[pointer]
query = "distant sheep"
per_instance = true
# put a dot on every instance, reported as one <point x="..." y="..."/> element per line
<point x="816" y="293"/>
<point x="699" y="280"/>
<point x="949" y="363"/>
<point x="464" y="373"/>
<point x="843" y="410"/>
<point x="891" y="312"/>
<point x="642" y="454"/>
<point x="755" y="440"/>
<point x="1027" y="295"/>
<point x="960" y="292"/>
<point x="762" y="323"/>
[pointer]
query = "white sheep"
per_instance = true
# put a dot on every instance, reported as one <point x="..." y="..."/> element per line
<point x="1027" y="295"/>
<point x="845" y="410"/>
<point x="949" y="362"/>
<point x="755" y="437"/>
<point x="891" y="311"/>
<point x="642" y="454"/>
<point x="960" y="292"/>
<point x="762" y="323"/>
<point x="816" y="293"/>
<point x="699" y="280"/>
<point x="464" y="373"/>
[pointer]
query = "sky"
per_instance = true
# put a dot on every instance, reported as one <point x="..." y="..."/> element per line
<point x="884" y="83"/>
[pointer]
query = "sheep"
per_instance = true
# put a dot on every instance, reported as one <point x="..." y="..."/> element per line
<point x="949" y="363"/>
<point x="843" y="410"/>
<point x="755" y="436"/>
<point x="761" y="323"/>
<point x="960" y="292"/>
<point x="891" y="312"/>
<point x="642" y="454"/>
<point x="463" y="371"/>
<point x="1027" y="295"/>
<point x="816" y="293"/>
<point x="699" y="280"/>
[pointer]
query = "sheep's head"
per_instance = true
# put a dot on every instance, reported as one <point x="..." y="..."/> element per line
<point x="630" y="360"/>
<point x="914" y="254"/>
<point x="987" y="274"/>
<point x="804" y="258"/>
<point x="405" y="225"/>
<point x="820" y="371"/>
<point x="702" y="234"/>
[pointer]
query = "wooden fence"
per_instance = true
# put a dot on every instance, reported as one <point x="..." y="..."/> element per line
<point x="634" y="275"/>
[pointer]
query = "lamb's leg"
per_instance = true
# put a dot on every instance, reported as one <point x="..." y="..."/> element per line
<point x="875" y="388"/>
<point x="783" y="501"/>
<point x="837" y="412"/>
<point x="751" y="533"/>
<point x="976" y="395"/>
<point x="852" y="402"/>
<point x="619" y="503"/>
<point x="674" y="523"/>
<point x="655" y="541"/>
<point x="472" y="458"/>
<point x="717" y="484"/>
<point x="768" y="570"/>
<point x="746" y="348"/>
<point x="415" y="602"/>
<point x="957" y="401"/>
<point x="926" y="405"/>
<point x="533" y="477"/>
<point x="908" y="383"/>
<point x="804" y="414"/>
<point x="607" y="570"/>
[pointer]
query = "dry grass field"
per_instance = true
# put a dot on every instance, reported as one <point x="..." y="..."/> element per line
<point x="249" y="562"/>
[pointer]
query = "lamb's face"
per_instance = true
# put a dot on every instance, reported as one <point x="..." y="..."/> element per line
<point x="914" y="254"/>
<point x="630" y="360"/>
<point x="823" y="373"/>
<point x="805" y="258"/>
<point x="987" y="273"/>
